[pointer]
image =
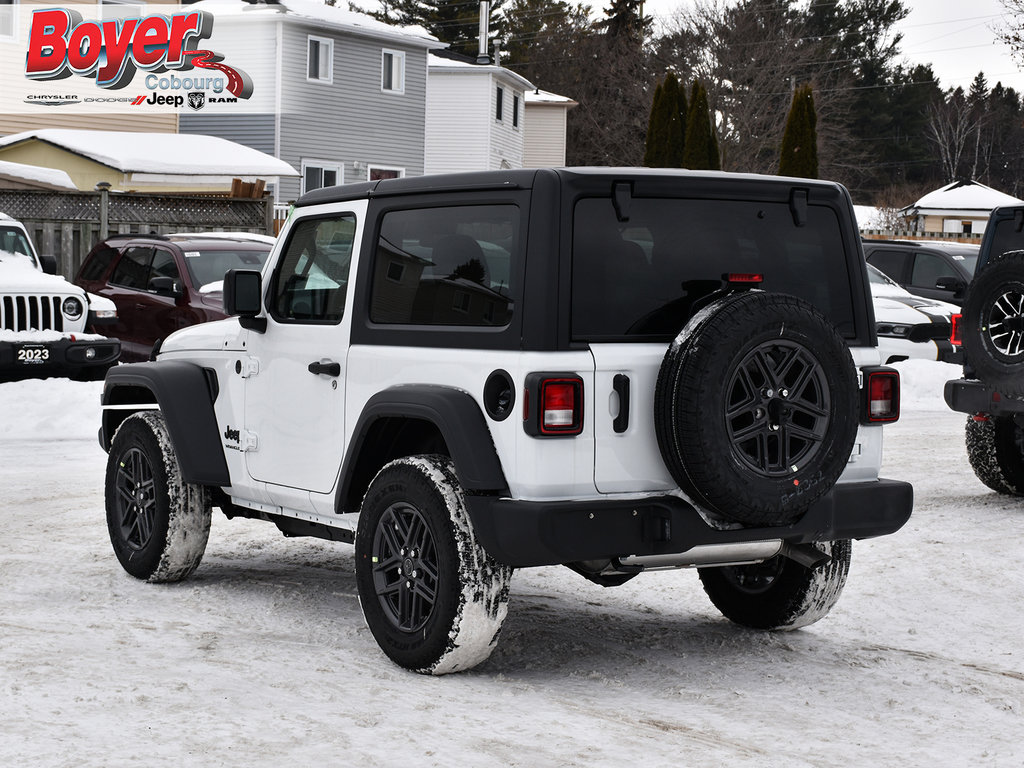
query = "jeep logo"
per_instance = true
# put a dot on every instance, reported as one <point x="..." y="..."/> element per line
<point x="231" y="434"/>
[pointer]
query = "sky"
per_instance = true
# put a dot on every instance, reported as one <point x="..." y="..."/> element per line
<point x="954" y="36"/>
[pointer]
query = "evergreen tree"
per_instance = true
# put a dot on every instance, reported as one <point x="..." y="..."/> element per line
<point x="701" y="152"/>
<point x="800" y="139"/>
<point x="455" y="22"/>
<point x="654" y="147"/>
<point x="665" y="129"/>
<point x="625" y="20"/>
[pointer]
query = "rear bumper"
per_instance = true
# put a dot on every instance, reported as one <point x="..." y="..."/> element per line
<point x="970" y="396"/>
<point x="521" y="533"/>
<point x="30" y="359"/>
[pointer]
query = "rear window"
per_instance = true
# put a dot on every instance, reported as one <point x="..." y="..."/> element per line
<point x="446" y="266"/>
<point x="1009" y="236"/>
<point x="643" y="277"/>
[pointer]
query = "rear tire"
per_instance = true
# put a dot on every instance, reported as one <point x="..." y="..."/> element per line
<point x="779" y="593"/>
<point x="432" y="597"/>
<point x="995" y="449"/>
<point x="158" y="523"/>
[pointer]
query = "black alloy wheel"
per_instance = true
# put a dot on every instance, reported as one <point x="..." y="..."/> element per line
<point x="135" y="501"/>
<point x="777" y="408"/>
<point x="405" y="567"/>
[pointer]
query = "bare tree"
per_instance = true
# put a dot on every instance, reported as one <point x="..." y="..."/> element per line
<point x="951" y="122"/>
<point x="1013" y="33"/>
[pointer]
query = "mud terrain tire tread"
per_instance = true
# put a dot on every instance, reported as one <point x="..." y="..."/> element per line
<point x="994" y="451"/>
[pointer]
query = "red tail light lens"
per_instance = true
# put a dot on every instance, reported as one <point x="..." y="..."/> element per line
<point x="955" y="331"/>
<point x="559" y="405"/>
<point x="883" y="396"/>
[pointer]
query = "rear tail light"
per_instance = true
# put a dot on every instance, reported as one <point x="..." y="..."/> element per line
<point x="881" y="395"/>
<point x="955" y="330"/>
<point x="554" y="405"/>
<point x="744" y="279"/>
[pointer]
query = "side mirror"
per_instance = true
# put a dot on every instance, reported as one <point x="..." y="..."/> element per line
<point x="243" y="298"/>
<point x="954" y="284"/>
<point x="49" y="263"/>
<point x="167" y="286"/>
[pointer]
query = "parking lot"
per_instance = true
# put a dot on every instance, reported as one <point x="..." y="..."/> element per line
<point x="262" y="656"/>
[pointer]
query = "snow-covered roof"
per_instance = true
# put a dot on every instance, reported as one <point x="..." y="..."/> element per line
<point x="330" y="16"/>
<point x="440" y="64"/>
<point x="963" y="196"/>
<point x="537" y="96"/>
<point x="52" y="178"/>
<point x="160" y="153"/>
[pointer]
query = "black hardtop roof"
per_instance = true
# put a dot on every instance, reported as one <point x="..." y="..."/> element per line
<point x="525" y="178"/>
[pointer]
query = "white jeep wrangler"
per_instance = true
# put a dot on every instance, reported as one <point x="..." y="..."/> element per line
<point x="614" y="370"/>
<point x="43" y="317"/>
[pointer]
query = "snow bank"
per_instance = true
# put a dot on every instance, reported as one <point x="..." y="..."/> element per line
<point x="50" y="408"/>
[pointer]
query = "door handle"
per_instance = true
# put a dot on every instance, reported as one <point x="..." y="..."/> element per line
<point x="621" y="386"/>
<point x="325" y="368"/>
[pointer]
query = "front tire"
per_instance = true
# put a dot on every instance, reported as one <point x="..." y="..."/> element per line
<point x="995" y="449"/>
<point x="433" y="599"/>
<point x="158" y="523"/>
<point x="779" y="593"/>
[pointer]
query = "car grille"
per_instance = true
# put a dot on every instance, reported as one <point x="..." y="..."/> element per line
<point x="31" y="313"/>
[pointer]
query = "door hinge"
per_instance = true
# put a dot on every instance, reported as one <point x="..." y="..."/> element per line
<point x="247" y="367"/>
<point x="248" y="441"/>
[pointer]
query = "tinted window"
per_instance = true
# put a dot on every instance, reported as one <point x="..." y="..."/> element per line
<point x="13" y="241"/>
<point x="96" y="266"/>
<point x="644" y="277"/>
<point x="312" y="276"/>
<point x="446" y="266"/>
<point x="132" y="271"/>
<point x="1007" y="238"/>
<point x="890" y="262"/>
<point x="928" y="268"/>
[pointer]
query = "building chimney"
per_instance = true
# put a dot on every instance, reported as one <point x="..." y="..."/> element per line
<point x="485" y="17"/>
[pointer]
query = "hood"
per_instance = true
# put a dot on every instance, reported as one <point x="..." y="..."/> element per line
<point x="18" y="275"/>
<point x="889" y="310"/>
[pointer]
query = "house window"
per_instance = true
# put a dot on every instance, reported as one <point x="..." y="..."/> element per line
<point x="317" y="174"/>
<point x="378" y="172"/>
<point x="122" y="9"/>
<point x="515" y="110"/>
<point x="319" y="59"/>
<point x="396" y="272"/>
<point x="392" y="71"/>
<point x="499" y="103"/>
<point x="8" y="19"/>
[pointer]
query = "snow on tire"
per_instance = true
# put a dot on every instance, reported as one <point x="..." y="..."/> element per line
<point x="158" y="523"/>
<point x="995" y="449"/>
<point x="780" y="593"/>
<point x="433" y="599"/>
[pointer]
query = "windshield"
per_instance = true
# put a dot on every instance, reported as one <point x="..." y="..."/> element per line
<point x="208" y="265"/>
<point x="14" y="244"/>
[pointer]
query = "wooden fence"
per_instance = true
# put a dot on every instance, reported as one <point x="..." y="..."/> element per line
<point x="68" y="224"/>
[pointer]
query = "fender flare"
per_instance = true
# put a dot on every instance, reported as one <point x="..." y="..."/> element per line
<point x="456" y="415"/>
<point x="185" y="393"/>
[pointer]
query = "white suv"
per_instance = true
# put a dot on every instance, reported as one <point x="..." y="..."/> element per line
<point x="43" y="317"/>
<point x="614" y="370"/>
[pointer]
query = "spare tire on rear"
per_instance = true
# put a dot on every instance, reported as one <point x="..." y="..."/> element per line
<point x="993" y="323"/>
<point x="756" y="408"/>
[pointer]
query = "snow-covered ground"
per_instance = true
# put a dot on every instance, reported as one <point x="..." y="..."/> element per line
<point x="262" y="657"/>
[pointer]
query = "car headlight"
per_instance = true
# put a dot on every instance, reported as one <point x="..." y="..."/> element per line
<point x="72" y="308"/>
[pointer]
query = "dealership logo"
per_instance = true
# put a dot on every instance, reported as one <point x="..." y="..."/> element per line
<point x="49" y="100"/>
<point x="61" y="44"/>
<point x="196" y="100"/>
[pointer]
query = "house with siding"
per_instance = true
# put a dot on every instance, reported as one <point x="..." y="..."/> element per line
<point x="546" y="117"/>
<point x="476" y="117"/>
<point x="342" y="97"/>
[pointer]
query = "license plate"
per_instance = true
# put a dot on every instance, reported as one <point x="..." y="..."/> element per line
<point x="32" y="355"/>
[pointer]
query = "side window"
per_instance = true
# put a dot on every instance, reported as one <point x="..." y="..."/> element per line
<point x="312" y="277"/>
<point x="446" y="266"/>
<point x="96" y="267"/>
<point x="392" y="71"/>
<point x="132" y="271"/>
<point x="928" y="268"/>
<point x="164" y="265"/>
<point x="319" y="59"/>
<point x="890" y="262"/>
